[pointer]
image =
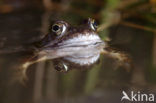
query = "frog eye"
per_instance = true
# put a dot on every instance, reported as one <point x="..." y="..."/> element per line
<point x="56" y="28"/>
<point x="93" y="24"/>
<point x="59" y="28"/>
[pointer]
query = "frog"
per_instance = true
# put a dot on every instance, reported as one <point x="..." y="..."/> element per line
<point x="65" y="44"/>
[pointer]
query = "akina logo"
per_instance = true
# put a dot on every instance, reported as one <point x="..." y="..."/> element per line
<point x="138" y="96"/>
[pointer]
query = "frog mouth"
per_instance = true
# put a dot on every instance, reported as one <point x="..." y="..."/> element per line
<point x="85" y="48"/>
<point x="82" y="44"/>
<point x="82" y="41"/>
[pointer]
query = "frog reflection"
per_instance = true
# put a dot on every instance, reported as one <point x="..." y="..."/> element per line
<point x="78" y="45"/>
<point x="64" y="65"/>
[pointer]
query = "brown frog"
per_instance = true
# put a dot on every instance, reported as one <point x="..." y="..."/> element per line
<point x="80" y="46"/>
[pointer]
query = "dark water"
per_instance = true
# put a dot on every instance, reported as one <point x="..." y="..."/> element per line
<point x="103" y="83"/>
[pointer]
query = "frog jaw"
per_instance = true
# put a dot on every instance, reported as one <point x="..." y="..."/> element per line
<point x="82" y="39"/>
<point x="84" y="49"/>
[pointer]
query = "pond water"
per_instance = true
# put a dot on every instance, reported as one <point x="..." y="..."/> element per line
<point x="101" y="83"/>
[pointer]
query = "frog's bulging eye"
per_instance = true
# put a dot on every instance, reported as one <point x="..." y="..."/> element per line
<point x="57" y="29"/>
<point x="93" y="24"/>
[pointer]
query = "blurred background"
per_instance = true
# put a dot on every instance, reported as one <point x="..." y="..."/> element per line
<point x="130" y="25"/>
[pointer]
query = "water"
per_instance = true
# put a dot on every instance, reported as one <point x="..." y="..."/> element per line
<point x="103" y="82"/>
